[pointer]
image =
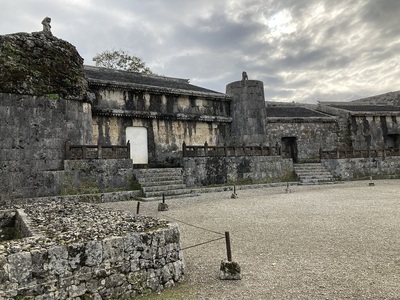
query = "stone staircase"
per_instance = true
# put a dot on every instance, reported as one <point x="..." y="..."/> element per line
<point x="312" y="173"/>
<point x="163" y="181"/>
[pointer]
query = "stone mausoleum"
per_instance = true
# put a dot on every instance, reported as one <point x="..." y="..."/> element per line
<point x="71" y="133"/>
<point x="73" y="129"/>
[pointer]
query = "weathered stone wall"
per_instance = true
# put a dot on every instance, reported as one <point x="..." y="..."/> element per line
<point x="371" y="131"/>
<point x="169" y="120"/>
<point x="33" y="131"/>
<point x="118" y="267"/>
<point x="248" y="112"/>
<point x="96" y="176"/>
<point x="40" y="64"/>
<point x="311" y="134"/>
<point x="156" y="103"/>
<point x="200" y="171"/>
<point x="363" y="168"/>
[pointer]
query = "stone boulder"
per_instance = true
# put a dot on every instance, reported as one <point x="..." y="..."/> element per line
<point x="41" y="64"/>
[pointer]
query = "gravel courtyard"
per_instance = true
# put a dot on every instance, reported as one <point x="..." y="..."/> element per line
<point x="337" y="241"/>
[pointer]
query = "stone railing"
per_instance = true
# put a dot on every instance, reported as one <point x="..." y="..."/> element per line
<point x="361" y="153"/>
<point x="96" y="151"/>
<point x="221" y="151"/>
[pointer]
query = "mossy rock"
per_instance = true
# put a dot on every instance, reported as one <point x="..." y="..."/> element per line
<point x="40" y="64"/>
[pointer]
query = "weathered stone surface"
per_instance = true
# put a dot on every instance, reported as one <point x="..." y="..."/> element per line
<point x="364" y="168"/>
<point x="65" y="262"/>
<point x="162" y="206"/>
<point x="200" y="171"/>
<point x="247" y="112"/>
<point x="38" y="64"/>
<point x="230" y="270"/>
<point x="33" y="132"/>
<point x="20" y="267"/>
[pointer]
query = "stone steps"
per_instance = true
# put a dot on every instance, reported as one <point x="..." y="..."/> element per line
<point x="312" y="173"/>
<point x="162" y="182"/>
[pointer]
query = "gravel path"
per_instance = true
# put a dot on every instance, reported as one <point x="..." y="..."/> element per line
<point x="318" y="242"/>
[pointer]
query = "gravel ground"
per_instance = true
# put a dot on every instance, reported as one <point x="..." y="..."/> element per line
<point x="337" y="241"/>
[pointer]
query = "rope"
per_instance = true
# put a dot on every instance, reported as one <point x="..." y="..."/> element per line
<point x="198" y="227"/>
<point x="195" y="226"/>
<point x="203" y="243"/>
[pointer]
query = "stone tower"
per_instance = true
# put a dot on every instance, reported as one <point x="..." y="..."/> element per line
<point x="248" y="112"/>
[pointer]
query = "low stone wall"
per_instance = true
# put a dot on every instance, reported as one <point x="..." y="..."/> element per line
<point x="88" y="176"/>
<point x="200" y="171"/>
<point x="114" y="256"/>
<point x="363" y="168"/>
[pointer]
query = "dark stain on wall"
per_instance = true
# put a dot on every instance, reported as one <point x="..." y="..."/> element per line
<point x="129" y="103"/>
<point x="216" y="171"/>
<point x="155" y="102"/>
<point x="384" y="129"/>
<point x="171" y="100"/>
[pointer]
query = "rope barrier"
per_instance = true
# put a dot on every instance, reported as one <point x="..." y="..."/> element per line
<point x="183" y="222"/>
<point x="198" y="227"/>
<point x="203" y="243"/>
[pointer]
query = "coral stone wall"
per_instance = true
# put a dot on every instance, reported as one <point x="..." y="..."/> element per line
<point x="169" y="120"/>
<point x="248" y="112"/>
<point x="33" y="132"/>
<point x="363" y="168"/>
<point x="116" y="256"/>
<point x="371" y="132"/>
<point x="200" y="171"/>
<point x="311" y="135"/>
<point x="88" y="176"/>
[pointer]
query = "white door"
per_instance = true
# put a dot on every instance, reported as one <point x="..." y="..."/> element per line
<point x="137" y="136"/>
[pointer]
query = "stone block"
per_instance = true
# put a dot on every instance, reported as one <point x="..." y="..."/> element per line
<point x="113" y="249"/>
<point x="20" y="267"/>
<point x="58" y="260"/>
<point x="230" y="270"/>
<point x="93" y="253"/>
<point x="162" y="206"/>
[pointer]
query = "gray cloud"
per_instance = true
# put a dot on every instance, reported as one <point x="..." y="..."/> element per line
<point x="303" y="50"/>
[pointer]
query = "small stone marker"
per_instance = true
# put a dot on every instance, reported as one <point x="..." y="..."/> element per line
<point x="162" y="206"/>
<point x="234" y="195"/>
<point x="371" y="183"/>
<point x="288" y="188"/>
<point x="230" y="270"/>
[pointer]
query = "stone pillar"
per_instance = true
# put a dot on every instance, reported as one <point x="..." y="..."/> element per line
<point x="248" y="112"/>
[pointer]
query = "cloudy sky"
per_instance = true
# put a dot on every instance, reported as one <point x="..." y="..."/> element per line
<point x="303" y="50"/>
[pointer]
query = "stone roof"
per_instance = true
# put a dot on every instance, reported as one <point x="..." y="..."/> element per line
<point x="292" y="112"/>
<point x="140" y="81"/>
<point x="367" y="108"/>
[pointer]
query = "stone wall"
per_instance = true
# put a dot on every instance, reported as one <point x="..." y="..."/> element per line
<point x="363" y="168"/>
<point x="96" y="176"/>
<point x="170" y="119"/>
<point x="116" y="256"/>
<point x="371" y="131"/>
<point x="247" y="112"/>
<point x="311" y="134"/>
<point x="33" y="131"/>
<point x="200" y="171"/>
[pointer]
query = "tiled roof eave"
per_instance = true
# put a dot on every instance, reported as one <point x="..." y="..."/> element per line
<point x="156" y="89"/>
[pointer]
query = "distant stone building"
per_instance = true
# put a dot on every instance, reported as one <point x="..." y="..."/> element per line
<point x="156" y="114"/>
<point x="49" y="100"/>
